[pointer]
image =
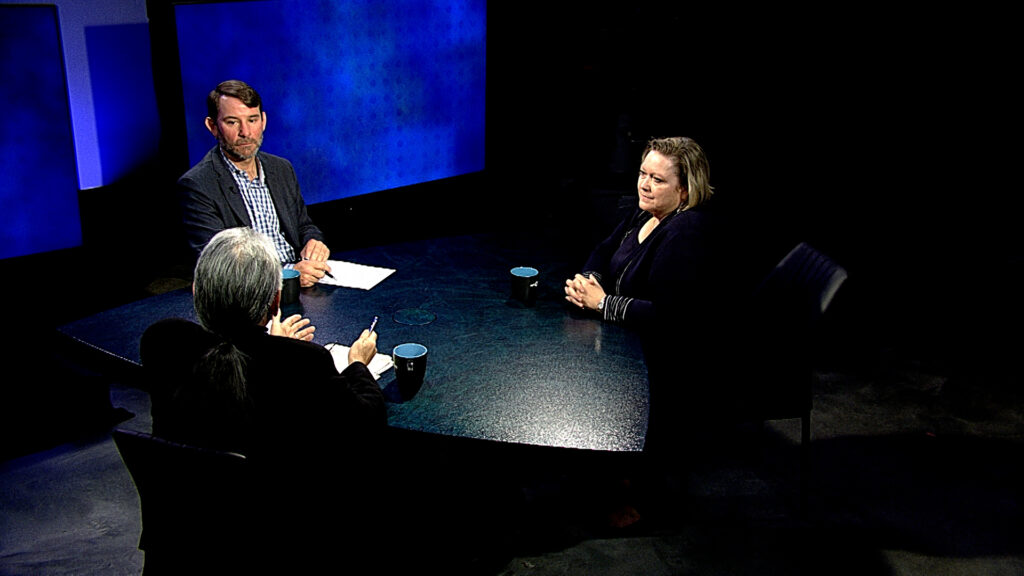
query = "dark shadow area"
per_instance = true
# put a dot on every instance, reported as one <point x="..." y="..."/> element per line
<point x="124" y="257"/>
<point x="447" y="207"/>
<point x="934" y="494"/>
<point x="733" y="508"/>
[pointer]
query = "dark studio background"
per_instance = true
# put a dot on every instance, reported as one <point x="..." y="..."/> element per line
<point x="877" y="137"/>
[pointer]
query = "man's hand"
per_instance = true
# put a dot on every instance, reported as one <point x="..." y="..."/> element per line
<point x="294" y="326"/>
<point x="311" y="271"/>
<point x="364" y="348"/>
<point x="313" y="265"/>
<point x="315" y="250"/>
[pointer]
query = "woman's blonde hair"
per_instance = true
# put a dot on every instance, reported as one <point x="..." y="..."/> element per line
<point x="690" y="162"/>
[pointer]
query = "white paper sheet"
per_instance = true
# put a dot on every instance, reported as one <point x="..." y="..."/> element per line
<point x="352" y="275"/>
<point x="379" y="365"/>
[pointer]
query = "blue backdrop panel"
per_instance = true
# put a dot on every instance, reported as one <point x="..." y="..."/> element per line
<point x="39" y="183"/>
<point x="121" y="75"/>
<point x="361" y="96"/>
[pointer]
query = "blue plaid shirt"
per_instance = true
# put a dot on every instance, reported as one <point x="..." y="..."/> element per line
<point x="260" y="207"/>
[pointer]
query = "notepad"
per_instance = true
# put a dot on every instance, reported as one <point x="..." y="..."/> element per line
<point x="352" y="275"/>
<point x="378" y="366"/>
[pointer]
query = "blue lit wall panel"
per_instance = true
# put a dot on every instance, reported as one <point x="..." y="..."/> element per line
<point x="362" y="96"/>
<point x="127" y="123"/>
<point x="39" y="182"/>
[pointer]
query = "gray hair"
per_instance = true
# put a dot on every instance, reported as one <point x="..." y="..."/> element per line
<point x="237" y="277"/>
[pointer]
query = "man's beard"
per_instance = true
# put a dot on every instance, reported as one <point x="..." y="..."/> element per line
<point x="233" y="151"/>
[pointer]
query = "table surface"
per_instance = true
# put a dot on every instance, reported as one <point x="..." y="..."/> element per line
<point x="497" y="369"/>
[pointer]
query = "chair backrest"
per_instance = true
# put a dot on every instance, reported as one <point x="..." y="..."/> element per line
<point x="787" y="309"/>
<point x="192" y="498"/>
<point x="801" y="287"/>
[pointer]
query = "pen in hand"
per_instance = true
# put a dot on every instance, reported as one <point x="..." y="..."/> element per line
<point x="373" y="324"/>
<point x="331" y="276"/>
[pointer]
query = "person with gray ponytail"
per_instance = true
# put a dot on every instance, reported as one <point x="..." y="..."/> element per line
<point x="243" y="378"/>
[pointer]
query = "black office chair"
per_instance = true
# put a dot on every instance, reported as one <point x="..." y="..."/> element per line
<point x="781" y="343"/>
<point x="197" y="505"/>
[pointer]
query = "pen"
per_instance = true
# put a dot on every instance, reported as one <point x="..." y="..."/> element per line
<point x="373" y="324"/>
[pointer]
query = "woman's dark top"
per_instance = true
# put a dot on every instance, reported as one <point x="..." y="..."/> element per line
<point x="672" y="291"/>
<point x="670" y="273"/>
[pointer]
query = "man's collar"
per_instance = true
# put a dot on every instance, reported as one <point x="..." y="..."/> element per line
<point x="235" y="169"/>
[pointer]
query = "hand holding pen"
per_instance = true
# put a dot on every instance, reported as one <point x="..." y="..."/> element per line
<point x="312" y="271"/>
<point x="313" y="262"/>
<point x="365" y="347"/>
